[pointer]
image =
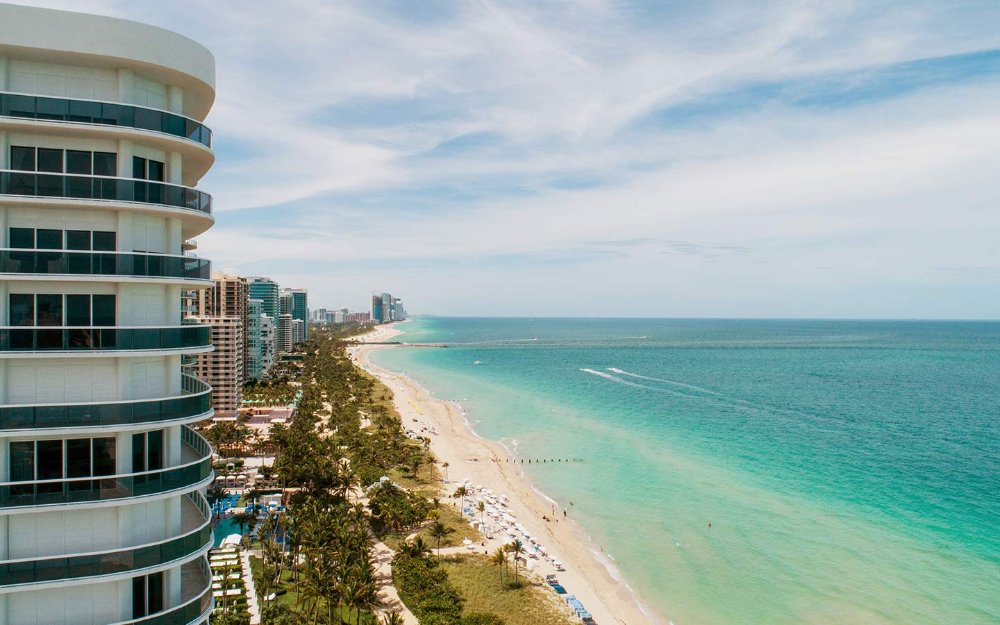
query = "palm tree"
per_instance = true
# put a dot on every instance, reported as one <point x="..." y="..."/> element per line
<point x="462" y="491"/>
<point x="392" y="618"/>
<point x="439" y="530"/>
<point x="481" y="506"/>
<point x="499" y="558"/>
<point x="243" y="519"/>
<point x="415" y="549"/>
<point x="517" y="548"/>
<point x="444" y="465"/>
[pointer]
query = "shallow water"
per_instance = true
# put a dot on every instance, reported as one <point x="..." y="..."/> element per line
<point x="850" y="471"/>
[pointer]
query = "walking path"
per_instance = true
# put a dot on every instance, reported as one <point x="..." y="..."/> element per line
<point x="387" y="594"/>
<point x="253" y="606"/>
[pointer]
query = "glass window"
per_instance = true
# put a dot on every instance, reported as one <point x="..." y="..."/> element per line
<point x="154" y="170"/>
<point x="50" y="160"/>
<point x="155" y="593"/>
<point x="78" y="310"/>
<point x="105" y="164"/>
<point x="22" y="461"/>
<point x="104" y="310"/>
<point x="78" y="457"/>
<point x="22" y="309"/>
<point x="50" y="460"/>
<point x="138" y="453"/>
<point x="49" y="239"/>
<point x="154" y="450"/>
<point x="78" y="239"/>
<point x="22" y="159"/>
<point x="78" y="162"/>
<point x="23" y="238"/>
<point x="104" y="241"/>
<point x="104" y="456"/>
<point x="49" y="310"/>
<point x="138" y="167"/>
<point x="138" y="597"/>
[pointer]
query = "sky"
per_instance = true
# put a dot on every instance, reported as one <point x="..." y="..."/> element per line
<point x="782" y="158"/>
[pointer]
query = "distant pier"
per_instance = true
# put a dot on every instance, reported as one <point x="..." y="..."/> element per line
<point x="400" y="343"/>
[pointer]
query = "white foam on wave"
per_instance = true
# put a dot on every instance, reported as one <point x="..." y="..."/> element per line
<point x="544" y="496"/>
<point x="612" y="378"/>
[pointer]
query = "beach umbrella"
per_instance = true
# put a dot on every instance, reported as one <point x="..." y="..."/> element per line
<point x="466" y="542"/>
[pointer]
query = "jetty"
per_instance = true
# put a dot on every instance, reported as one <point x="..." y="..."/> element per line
<point x="404" y="344"/>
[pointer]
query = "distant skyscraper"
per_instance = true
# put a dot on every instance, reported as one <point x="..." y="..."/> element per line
<point x="285" y="336"/>
<point x="300" y="310"/>
<point x="224" y="308"/>
<point x="255" y="346"/>
<point x="268" y="341"/>
<point x="267" y="291"/>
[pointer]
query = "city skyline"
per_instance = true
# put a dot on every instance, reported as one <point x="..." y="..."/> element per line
<point x="726" y="159"/>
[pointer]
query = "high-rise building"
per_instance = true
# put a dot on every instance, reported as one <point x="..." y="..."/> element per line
<point x="224" y="308"/>
<point x="102" y="517"/>
<point x="267" y="291"/>
<point x="298" y="331"/>
<point x="255" y="348"/>
<point x="377" y="310"/>
<point x="222" y="368"/>
<point x="285" y="336"/>
<point x="300" y="310"/>
<point x="268" y="342"/>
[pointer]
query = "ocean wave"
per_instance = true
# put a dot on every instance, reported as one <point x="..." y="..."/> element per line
<point x="608" y="376"/>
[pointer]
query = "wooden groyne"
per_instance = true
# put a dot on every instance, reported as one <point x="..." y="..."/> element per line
<point x="543" y="460"/>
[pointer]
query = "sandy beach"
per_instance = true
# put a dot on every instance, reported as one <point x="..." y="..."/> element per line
<point x="486" y="463"/>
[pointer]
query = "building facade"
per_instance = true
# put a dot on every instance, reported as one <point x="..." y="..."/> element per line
<point x="300" y="310"/>
<point x="224" y="308"/>
<point x="255" y="351"/>
<point x="102" y="517"/>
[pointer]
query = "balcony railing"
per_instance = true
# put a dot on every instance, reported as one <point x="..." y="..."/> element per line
<point x="195" y="400"/>
<point x="86" y="263"/>
<point x="81" y="187"/>
<point x="112" y="487"/>
<point x="194" y="610"/>
<point x="92" y="338"/>
<point x="58" y="568"/>
<point x="105" y="114"/>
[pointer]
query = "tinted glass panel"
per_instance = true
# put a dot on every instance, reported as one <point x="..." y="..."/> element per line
<point x="104" y="310"/>
<point x="49" y="239"/>
<point x="155" y="599"/>
<point x="22" y="461"/>
<point x="78" y="457"/>
<point x="105" y="164"/>
<point x="104" y="456"/>
<point x="104" y="241"/>
<point x="78" y="162"/>
<point x="22" y="159"/>
<point x="48" y="309"/>
<point x="22" y="309"/>
<point x="154" y="450"/>
<point x="138" y="597"/>
<point x="77" y="240"/>
<point x="50" y="460"/>
<point x="22" y="238"/>
<point x="138" y="452"/>
<point x="78" y="310"/>
<point x="154" y="171"/>
<point x="50" y="160"/>
<point x="138" y="167"/>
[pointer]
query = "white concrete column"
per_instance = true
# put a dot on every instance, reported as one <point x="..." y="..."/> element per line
<point x="125" y="158"/>
<point x="173" y="375"/>
<point x="175" y="237"/>
<point x="3" y="400"/>
<point x="3" y="225"/>
<point x="172" y="578"/>
<point x="123" y="449"/>
<point x="4" y="288"/>
<point x="175" y="99"/>
<point x="126" y="86"/>
<point x="4" y="72"/>
<point x="4" y="475"/>
<point x="175" y="168"/>
<point x="4" y="150"/>
<point x="172" y="435"/>
<point x="124" y="388"/>
<point x="124" y="231"/>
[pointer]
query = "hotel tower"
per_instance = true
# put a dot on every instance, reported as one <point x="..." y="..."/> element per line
<point x="102" y="516"/>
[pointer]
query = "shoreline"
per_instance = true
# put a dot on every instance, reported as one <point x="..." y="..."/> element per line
<point x="589" y="574"/>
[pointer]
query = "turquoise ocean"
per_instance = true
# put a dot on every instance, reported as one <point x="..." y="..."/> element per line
<point x="850" y="470"/>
